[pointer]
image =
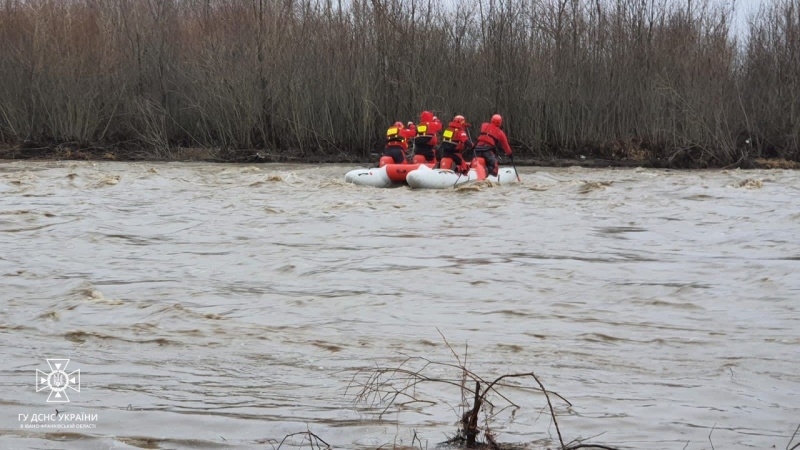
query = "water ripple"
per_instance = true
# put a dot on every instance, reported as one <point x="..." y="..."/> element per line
<point x="226" y="306"/>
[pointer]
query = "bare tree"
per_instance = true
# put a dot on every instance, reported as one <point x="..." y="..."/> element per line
<point x="650" y="81"/>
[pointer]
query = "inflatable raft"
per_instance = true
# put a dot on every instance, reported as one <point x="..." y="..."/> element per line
<point x="427" y="178"/>
<point x="387" y="176"/>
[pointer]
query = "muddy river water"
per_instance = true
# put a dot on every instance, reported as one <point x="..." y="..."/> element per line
<point x="226" y="306"/>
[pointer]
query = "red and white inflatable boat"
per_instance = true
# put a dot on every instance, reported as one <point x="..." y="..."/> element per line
<point x="387" y="175"/>
<point x="424" y="176"/>
<point x="444" y="178"/>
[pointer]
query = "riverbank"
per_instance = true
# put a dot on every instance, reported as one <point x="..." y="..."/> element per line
<point x="96" y="153"/>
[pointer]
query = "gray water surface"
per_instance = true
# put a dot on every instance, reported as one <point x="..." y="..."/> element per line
<point x="226" y="306"/>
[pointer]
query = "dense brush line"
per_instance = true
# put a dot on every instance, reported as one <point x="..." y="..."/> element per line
<point x="619" y="79"/>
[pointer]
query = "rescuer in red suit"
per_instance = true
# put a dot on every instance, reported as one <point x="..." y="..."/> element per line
<point x="492" y="139"/>
<point x="426" y="140"/>
<point x="454" y="141"/>
<point x="397" y="137"/>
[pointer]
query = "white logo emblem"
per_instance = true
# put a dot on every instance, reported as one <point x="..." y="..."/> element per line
<point x="58" y="380"/>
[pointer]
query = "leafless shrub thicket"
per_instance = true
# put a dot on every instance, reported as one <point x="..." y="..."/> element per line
<point x="649" y="80"/>
<point x="482" y="400"/>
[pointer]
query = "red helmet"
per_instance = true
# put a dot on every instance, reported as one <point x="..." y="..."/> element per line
<point x="459" y="119"/>
<point x="398" y="125"/>
<point x="426" y="116"/>
<point x="497" y="120"/>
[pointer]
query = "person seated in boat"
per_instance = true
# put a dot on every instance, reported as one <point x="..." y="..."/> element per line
<point x="454" y="141"/>
<point x="426" y="140"/>
<point x="397" y="137"/>
<point x="492" y="139"/>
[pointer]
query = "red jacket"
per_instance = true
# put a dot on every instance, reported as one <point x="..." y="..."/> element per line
<point x="494" y="138"/>
<point x="426" y="132"/>
<point x="399" y="136"/>
<point x="455" y="135"/>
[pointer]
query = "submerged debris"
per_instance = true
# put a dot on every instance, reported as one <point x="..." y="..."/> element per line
<point x="589" y="186"/>
<point x="469" y="187"/>
<point x="749" y="183"/>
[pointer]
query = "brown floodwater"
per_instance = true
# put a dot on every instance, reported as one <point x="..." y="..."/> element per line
<point x="226" y="306"/>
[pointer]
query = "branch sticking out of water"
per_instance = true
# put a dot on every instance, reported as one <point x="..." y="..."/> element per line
<point x="388" y="387"/>
<point x="315" y="441"/>
<point x="792" y="439"/>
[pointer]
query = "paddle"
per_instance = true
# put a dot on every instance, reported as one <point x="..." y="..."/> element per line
<point x="469" y="136"/>
<point x="456" y="182"/>
<point x="410" y="156"/>
<point x="460" y="173"/>
<point x="515" y="168"/>
<point x="471" y="142"/>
